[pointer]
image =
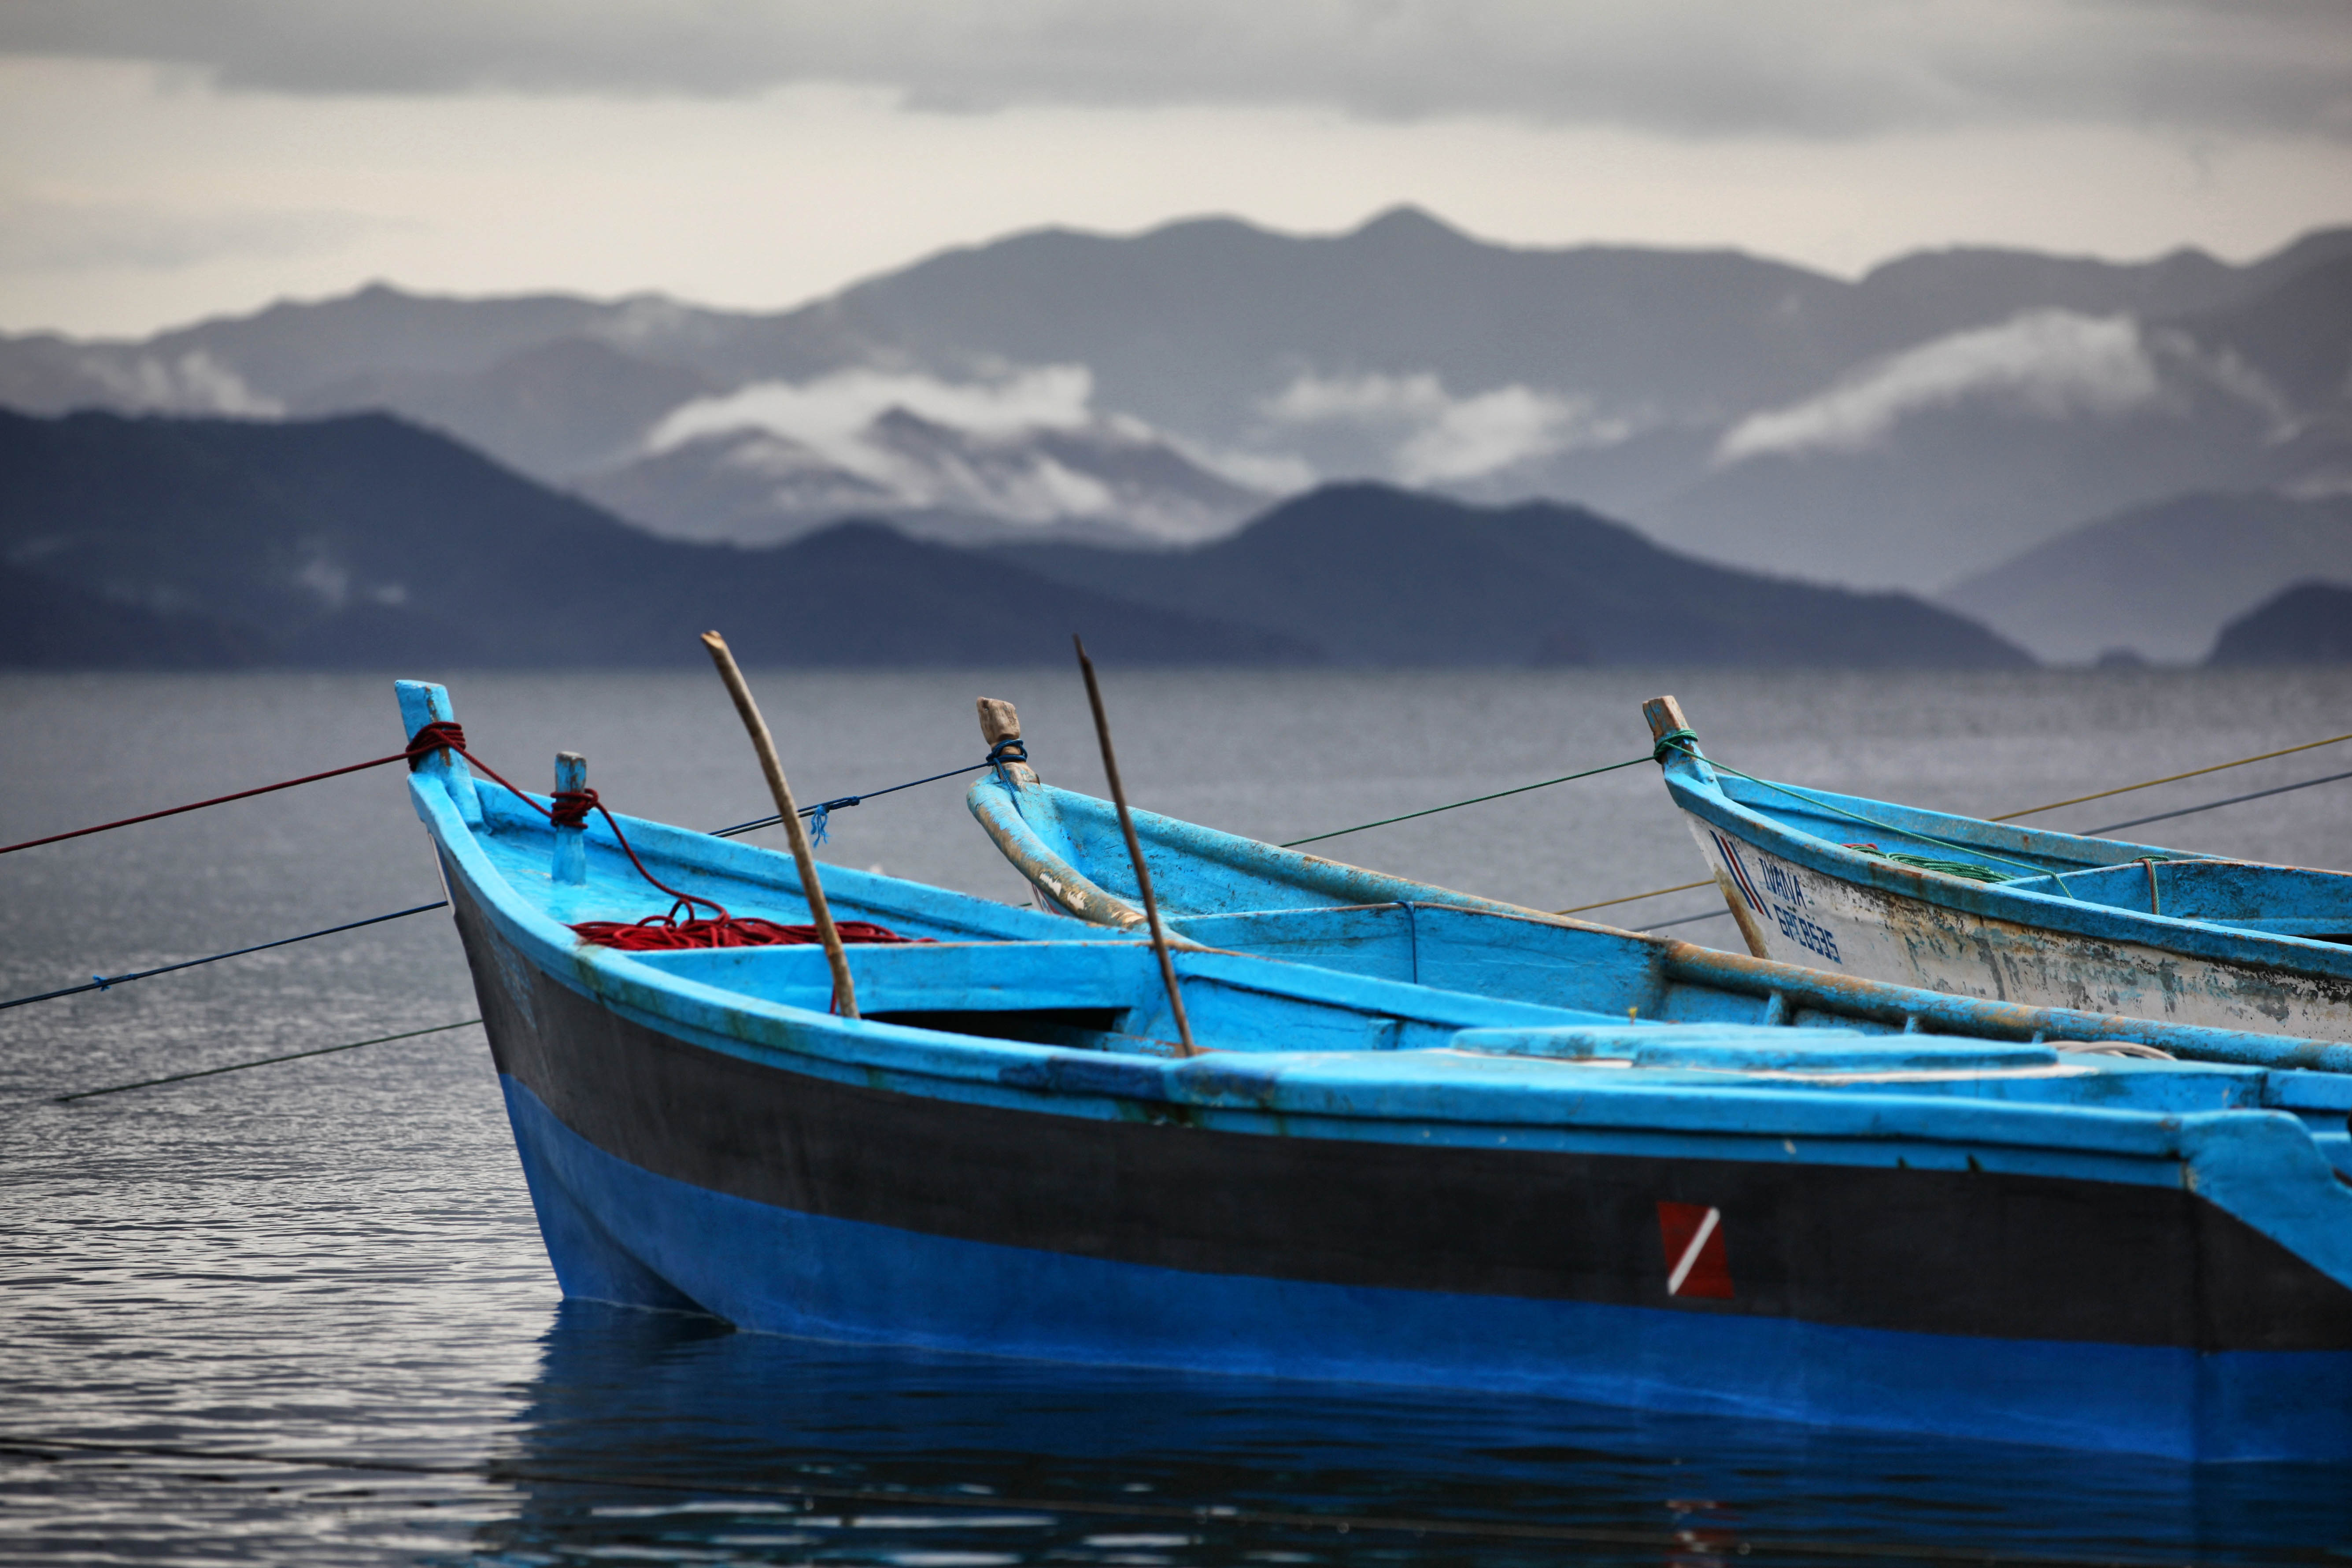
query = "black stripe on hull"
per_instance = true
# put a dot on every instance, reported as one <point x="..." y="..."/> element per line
<point x="1938" y="1252"/>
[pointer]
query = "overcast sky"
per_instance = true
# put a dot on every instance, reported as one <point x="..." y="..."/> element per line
<point x="165" y="159"/>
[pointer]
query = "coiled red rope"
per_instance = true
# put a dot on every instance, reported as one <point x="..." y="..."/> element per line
<point x="662" y="933"/>
<point x="680" y="927"/>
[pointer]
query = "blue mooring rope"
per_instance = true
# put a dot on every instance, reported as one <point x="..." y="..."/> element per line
<point x="108" y="982"/>
<point x="1003" y="752"/>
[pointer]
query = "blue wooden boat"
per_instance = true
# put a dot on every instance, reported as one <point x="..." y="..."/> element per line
<point x="1363" y="1178"/>
<point x="1984" y="908"/>
<point x="1222" y="891"/>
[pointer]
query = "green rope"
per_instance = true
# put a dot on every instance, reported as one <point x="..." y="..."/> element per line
<point x="1675" y="741"/>
<point x="1968" y="869"/>
<point x="1473" y="800"/>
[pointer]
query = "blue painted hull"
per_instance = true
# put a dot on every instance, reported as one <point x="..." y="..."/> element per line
<point x="641" y="1148"/>
<point x="771" y="1269"/>
<point x="1377" y="1180"/>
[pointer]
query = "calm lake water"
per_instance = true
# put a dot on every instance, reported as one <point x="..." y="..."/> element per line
<point x="332" y="1263"/>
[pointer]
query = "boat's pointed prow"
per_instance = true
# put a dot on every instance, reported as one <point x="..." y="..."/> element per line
<point x="1665" y="716"/>
<point x="422" y="703"/>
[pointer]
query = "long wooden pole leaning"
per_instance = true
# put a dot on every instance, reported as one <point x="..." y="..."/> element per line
<point x="844" y="989"/>
<point x="1135" y="854"/>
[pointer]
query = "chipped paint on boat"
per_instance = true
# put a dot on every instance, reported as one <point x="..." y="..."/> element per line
<point x="2068" y="938"/>
<point x="1223" y="890"/>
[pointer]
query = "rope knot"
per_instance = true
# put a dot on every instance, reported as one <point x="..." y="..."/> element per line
<point x="434" y="737"/>
<point x="1670" y="744"/>
<point x="571" y="809"/>
<point x="1008" y="750"/>
<point x="821" y="816"/>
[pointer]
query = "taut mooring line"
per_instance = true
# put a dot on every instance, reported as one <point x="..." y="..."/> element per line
<point x="108" y="982"/>
<point x="2211" y="805"/>
<point x="261" y="1062"/>
<point x="2169" y="778"/>
<point x="1453" y="805"/>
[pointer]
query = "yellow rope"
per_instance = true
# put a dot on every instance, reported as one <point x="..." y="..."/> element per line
<point x="2172" y="778"/>
<point x="1635" y="898"/>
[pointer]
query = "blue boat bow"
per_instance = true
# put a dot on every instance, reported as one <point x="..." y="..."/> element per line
<point x="1372" y="1179"/>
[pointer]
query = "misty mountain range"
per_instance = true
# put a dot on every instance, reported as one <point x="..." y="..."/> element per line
<point x="1940" y="425"/>
<point x="364" y="541"/>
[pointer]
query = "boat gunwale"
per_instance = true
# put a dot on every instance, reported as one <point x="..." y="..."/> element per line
<point x="1884" y="1002"/>
<point x="1706" y="798"/>
<point x="1464" y="1089"/>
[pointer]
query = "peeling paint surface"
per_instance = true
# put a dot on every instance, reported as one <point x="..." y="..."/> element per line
<point x="1800" y="899"/>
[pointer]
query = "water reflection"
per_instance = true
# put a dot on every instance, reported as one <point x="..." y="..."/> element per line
<point x="671" y="1437"/>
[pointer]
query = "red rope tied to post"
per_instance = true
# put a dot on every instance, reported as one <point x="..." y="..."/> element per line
<point x="431" y="738"/>
<point x="680" y="927"/>
<point x="573" y="806"/>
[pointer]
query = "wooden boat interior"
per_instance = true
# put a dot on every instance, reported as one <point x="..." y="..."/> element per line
<point x="739" y="877"/>
<point x="1104" y="994"/>
<point x="999" y="979"/>
<point x="2219" y="892"/>
<point x="2280" y="901"/>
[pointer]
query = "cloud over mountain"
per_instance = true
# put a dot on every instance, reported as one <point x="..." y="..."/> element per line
<point x="1438" y="437"/>
<point x="833" y="413"/>
<point x="2047" y="362"/>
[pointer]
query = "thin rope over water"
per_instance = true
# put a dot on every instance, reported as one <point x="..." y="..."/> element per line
<point x="2211" y="805"/>
<point x="410" y="755"/>
<point x="108" y="982"/>
<point x="1003" y="752"/>
<point x="259" y="1062"/>
<point x="1454" y="806"/>
<point x="2172" y="778"/>
<point x="571" y="808"/>
<point x="1637" y="897"/>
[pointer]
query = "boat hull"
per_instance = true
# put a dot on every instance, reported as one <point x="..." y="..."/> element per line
<point x="1792" y="914"/>
<point x="800" y="1195"/>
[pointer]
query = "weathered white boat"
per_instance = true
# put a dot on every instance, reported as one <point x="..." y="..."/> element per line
<point x="1983" y="908"/>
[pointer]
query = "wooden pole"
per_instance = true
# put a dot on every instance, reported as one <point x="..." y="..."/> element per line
<point x="1135" y="853"/>
<point x="844" y="989"/>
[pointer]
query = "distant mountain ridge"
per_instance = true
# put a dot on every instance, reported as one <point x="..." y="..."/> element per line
<point x="1373" y="576"/>
<point x="1911" y="428"/>
<point x="2310" y="622"/>
<point x="2160" y="581"/>
<point x="362" y="541"/>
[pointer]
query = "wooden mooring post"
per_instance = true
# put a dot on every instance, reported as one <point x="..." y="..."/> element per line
<point x="844" y="989"/>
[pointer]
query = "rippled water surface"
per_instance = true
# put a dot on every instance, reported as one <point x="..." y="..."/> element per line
<point x="328" y="1269"/>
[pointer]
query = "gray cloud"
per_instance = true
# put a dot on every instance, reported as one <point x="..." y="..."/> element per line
<point x="1694" y="67"/>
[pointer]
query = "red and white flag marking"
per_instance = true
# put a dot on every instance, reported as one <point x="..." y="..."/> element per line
<point x="1697" y="1262"/>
